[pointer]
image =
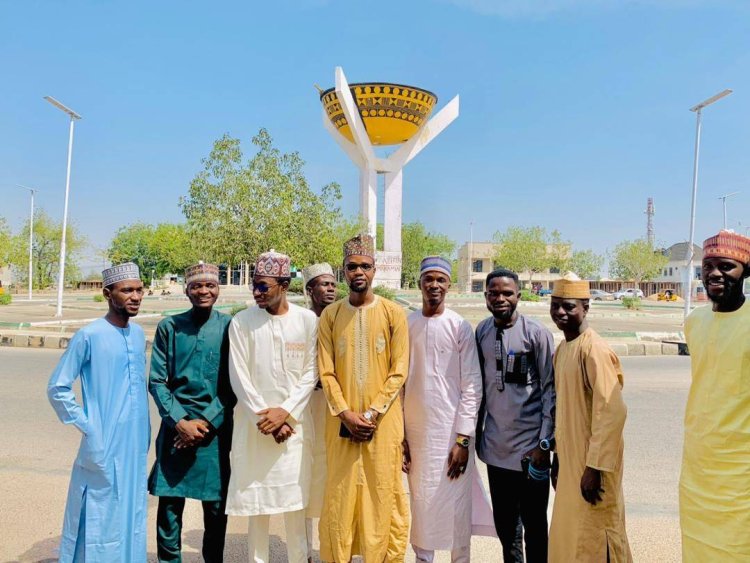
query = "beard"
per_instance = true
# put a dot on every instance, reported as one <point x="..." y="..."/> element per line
<point x="503" y="315"/>
<point x="359" y="288"/>
<point x="731" y="294"/>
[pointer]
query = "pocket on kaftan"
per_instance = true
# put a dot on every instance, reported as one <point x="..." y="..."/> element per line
<point x="91" y="452"/>
<point x="294" y="355"/>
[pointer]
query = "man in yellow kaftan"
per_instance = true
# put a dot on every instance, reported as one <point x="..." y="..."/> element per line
<point x="715" y="479"/>
<point x="588" y="519"/>
<point x="363" y="361"/>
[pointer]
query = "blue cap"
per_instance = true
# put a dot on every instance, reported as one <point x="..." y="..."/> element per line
<point x="435" y="264"/>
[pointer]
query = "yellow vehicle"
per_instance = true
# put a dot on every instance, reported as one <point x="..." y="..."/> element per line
<point x="667" y="295"/>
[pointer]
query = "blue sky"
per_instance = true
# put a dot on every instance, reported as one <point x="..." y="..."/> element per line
<point x="573" y="112"/>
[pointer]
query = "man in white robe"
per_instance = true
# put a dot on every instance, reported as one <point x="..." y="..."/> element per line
<point x="272" y="372"/>
<point x="442" y="396"/>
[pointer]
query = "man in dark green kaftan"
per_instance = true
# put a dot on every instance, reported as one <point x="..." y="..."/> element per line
<point x="189" y="382"/>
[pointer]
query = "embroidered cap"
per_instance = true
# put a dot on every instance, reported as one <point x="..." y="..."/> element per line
<point x="122" y="272"/>
<point x="201" y="272"/>
<point x="274" y="265"/>
<point x="316" y="270"/>
<point x="361" y="245"/>
<point x="728" y="244"/>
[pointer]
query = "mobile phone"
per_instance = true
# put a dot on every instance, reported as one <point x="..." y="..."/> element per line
<point x="344" y="431"/>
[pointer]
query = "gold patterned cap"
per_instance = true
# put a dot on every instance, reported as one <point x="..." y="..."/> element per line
<point x="273" y="264"/>
<point x="201" y="272"/>
<point x="728" y="244"/>
<point x="571" y="287"/>
<point x="361" y="245"/>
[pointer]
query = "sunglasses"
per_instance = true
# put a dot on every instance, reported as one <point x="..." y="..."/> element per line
<point x="262" y="287"/>
<point x="354" y="267"/>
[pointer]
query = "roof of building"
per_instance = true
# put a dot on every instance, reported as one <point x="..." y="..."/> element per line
<point x="679" y="252"/>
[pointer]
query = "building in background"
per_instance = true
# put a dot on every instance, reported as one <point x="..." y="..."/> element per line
<point x="476" y="260"/>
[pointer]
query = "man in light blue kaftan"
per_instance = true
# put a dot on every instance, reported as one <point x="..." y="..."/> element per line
<point x="105" y="516"/>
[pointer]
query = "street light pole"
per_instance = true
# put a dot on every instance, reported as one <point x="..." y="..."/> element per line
<point x="723" y="199"/>
<point x="697" y="109"/>
<point x="61" y="271"/>
<point x="31" y="238"/>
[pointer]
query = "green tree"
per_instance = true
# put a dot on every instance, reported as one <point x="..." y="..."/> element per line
<point x="46" y="251"/>
<point x="164" y="248"/>
<point x="558" y="253"/>
<point x="5" y="242"/>
<point x="134" y="243"/>
<point x="636" y="260"/>
<point x="522" y="249"/>
<point x="586" y="264"/>
<point x="235" y="210"/>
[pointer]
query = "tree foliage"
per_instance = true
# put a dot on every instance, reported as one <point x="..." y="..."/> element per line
<point x="533" y="250"/>
<point x="522" y="249"/>
<point x="636" y="260"/>
<point x="235" y="209"/>
<point x="586" y="264"/>
<point x="5" y="242"/>
<point x="46" y="251"/>
<point x="164" y="248"/>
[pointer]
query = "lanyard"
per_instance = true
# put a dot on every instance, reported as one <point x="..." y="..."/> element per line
<point x="500" y="360"/>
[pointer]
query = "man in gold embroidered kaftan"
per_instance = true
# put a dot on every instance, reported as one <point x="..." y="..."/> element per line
<point x="363" y="361"/>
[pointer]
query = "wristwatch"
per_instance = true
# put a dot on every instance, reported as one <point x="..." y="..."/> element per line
<point x="368" y="416"/>
<point x="546" y="444"/>
<point x="462" y="441"/>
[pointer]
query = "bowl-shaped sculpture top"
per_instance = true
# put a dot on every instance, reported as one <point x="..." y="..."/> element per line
<point x="392" y="113"/>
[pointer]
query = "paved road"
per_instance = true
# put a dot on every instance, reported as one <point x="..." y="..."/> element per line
<point x="38" y="453"/>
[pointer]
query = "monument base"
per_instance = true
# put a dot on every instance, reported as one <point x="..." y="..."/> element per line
<point x="388" y="269"/>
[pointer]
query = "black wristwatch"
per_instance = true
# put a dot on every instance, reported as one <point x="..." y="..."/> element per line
<point x="546" y="444"/>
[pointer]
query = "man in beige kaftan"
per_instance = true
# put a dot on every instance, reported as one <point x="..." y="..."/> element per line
<point x="588" y="519"/>
<point x="363" y="361"/>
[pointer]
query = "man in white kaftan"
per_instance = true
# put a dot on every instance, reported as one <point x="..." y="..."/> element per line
<point x="442" y="398"/>
<point x="272" y="372"/>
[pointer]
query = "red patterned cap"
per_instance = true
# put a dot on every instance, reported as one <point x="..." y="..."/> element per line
<point x="202" y="272"/>
<point x="274" y="265"/>
<point x="728" y="244"/>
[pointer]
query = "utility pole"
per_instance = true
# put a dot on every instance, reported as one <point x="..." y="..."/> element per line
<point x="650" y="221"/>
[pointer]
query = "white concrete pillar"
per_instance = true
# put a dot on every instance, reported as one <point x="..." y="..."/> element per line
<point x="368" y="198"/>
<point x="393" y="205"/>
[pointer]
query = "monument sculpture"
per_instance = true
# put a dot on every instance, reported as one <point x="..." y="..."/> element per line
<point x="362" y="116"/>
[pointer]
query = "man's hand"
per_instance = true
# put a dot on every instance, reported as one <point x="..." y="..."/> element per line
<point x="360" y="428"/>
<point x="591" y="485"/>
<point x="190" y="432"/>
<point x="554" y="472"/>
<point x="539" y="458"/>
<point x="457" y="460"/>
<point x="283" y="433"/>
<point x="271" y="419"/>
<point x="406" y="460"/>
